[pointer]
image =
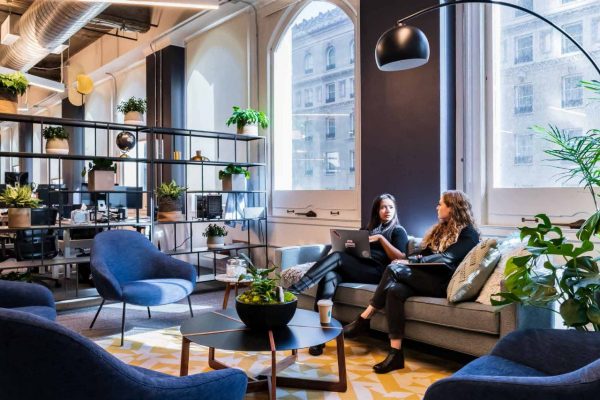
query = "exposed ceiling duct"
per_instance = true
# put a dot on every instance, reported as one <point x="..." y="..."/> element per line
<point x="44" y="26"/>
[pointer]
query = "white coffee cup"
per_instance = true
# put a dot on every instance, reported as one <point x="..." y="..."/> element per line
<point x="325" y="307"/>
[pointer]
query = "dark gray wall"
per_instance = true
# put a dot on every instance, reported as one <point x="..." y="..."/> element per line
<point x="401" y="121"/>
<point x="71" y="170"/>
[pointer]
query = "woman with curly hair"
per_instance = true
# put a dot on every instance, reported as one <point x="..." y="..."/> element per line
<point x="446" y="244"/>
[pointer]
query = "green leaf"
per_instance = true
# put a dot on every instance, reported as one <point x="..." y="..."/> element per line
<point x="573" y="313"/>
<point x="593" y="314"/>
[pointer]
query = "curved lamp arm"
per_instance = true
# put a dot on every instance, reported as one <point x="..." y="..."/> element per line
<point x="502" y="3"/>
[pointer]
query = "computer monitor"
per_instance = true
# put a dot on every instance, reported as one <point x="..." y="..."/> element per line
<point x="122" y="196"/>
<point x="12" y="178"/>
<point x="53" y="194"/>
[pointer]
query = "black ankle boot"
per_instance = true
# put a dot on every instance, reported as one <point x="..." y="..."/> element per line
<point x="358" y="327"/>
<point x="316" y="350"/>
<point x="393" y="361"/>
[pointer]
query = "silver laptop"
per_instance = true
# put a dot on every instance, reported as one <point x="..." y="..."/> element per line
<point x="351" y="241"/>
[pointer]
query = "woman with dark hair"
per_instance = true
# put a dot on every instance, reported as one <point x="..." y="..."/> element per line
<point x="388" y="242"/>
<point x="446" y="244"/>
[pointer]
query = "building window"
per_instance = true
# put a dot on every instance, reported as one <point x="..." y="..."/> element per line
<point x="351" y="160"/>
<point x="575" y="30"/>
<point x="572" y="92"/>
<point x="298" y="98"/>
<point x="330" y="89"/>
<point x="308" y="131"/>
<point x="524" y="99"/>
<point x="523" y="149"/>
<point x="319" y="95"/>
<point x="330" y="129"/>
<point x="596" y="30"/>
<point x="330" y="57"/>
<point x="308" y="64"/>
<point x="573" y="132"/>
<point x="524" y="49"/>
<point x="567" y="1"/>
<point x="546" y="41"/>
<point x="308" y="165"/>
<point x="332" y="162"/>
<point x="352" y="51"/>
<point x="351" y="88"/>
<point x="308" y="97"/>
<point x="528" y="4"/>
<point x="351" y="124"/>
<point x="342" y="88"/>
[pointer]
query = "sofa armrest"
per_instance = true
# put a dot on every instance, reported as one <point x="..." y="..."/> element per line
<point x="22" y="294"/>
<point x="286" y="257"/>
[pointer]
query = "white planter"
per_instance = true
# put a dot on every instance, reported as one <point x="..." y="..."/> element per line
<point x="251" y="130"/>
<point x="215" y="241"/>
<point x="134" y="118"/>
<point x="19" y="217"/>
<point x="57" y="146"/>
<point x="101" y="181"/>
<point x="234" y="183"/>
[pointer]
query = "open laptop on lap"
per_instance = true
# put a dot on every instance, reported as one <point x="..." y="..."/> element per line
<point x="355" y="242"/>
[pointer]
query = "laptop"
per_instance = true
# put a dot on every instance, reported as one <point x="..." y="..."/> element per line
<point x="351" y="241"/>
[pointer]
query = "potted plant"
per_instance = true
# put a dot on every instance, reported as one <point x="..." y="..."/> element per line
<point x="11" y="85"/>
<point x="134" y="110"/>
<point x="56" y="140"/>
<point x="265" y="305"/>
<point x="234" y="178"/>
<point x="215" y="235"/>
<point x="248" y="120"/>
<point x="168" y="196"/>
<point x="19" y="200"/>
<point x="101" y="175"/>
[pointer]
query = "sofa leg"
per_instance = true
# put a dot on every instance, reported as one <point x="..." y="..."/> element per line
<point x="149" y="316"/>
<point x="190" y="304"/>
<point x="96" y="316"/>
<point x="123" y="324"/>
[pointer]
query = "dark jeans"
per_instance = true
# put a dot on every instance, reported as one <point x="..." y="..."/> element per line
<point x="398" y="283"/>
<point x="339" y="267"/>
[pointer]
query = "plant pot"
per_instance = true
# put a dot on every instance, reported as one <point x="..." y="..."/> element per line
<point x="134" y="118"/>
<point x="215" y="241"/>
<point x="235" y="182"/>
<point x="19" y="217"/>
<point x="251" y="130"/>
<point x="8" y="102"/>
<point x="266" y="316"/>
<point x="169" y="210"/>
<point x="101" y="181"/>
<point x="169" y="216"/>
<point x="57" y="146"/>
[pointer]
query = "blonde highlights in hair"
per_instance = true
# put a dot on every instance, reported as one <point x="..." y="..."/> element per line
<point x="445" y="233"/>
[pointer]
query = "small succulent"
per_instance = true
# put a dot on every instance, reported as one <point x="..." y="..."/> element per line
<point x="214" y="230"/>
<point x="133" y="104"/>
<point x="55" y="132"/>
<point x="170" y="191"/>
<point x="263" y="290"/>
<point x="233" y="169"/>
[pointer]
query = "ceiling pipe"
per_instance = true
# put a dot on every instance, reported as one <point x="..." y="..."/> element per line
<point x="45" y="25"/>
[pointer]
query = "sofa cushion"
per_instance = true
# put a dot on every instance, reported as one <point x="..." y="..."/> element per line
<point x="41" y="311"/>
<point x="154" y="292"/>
<point x="497" y="366"/>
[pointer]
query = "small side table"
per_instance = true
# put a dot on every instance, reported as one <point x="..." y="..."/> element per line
<point x="231" y="282"/>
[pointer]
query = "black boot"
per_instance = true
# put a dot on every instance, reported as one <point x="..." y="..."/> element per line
<point x="393" y="361"/>
<point x="316" y="350"/>
<point x="358" y="327"/>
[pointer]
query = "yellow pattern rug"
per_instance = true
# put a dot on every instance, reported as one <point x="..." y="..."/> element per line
<point x="160" y="350"/>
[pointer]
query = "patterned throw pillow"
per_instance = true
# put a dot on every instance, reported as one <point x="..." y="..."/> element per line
<point x="473" y="271"/>
<point x="293" y="274"/>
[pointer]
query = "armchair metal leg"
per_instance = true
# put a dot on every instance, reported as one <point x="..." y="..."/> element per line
<point x="123" y="324"/>
<point x="190" y="303"/>
<point x="96" y="316"/>
<point x="149" y="316"/>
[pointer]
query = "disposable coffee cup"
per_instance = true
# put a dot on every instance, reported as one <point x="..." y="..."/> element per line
<point x="325" y="307"/>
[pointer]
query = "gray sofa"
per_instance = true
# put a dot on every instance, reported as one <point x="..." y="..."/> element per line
<point x="469" y="327"/>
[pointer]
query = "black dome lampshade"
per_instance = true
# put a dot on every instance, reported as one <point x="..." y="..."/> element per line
<point x="402" y="47"/>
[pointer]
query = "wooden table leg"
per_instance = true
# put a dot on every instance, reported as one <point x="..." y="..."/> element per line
<point x="185" y="357"/>
<point x="273" y="377"/>
<point x="226" y="296"/>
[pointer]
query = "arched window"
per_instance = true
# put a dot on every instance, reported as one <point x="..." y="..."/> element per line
<point x="352" y="51"/>
<point x="308" y="63"/>
<point x="330" y="57"/>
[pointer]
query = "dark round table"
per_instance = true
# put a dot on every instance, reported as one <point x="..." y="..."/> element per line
<point x="224" y="330"/>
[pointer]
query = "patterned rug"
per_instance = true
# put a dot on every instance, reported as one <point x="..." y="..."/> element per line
<point x="160" y="350"/>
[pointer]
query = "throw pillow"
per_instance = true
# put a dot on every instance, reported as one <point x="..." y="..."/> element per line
<point x="473" y="271"/>
<point x="294" y="273"/>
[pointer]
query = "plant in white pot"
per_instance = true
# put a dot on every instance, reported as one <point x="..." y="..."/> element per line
<point x="101" y="175"/>
<point x="56" y="140"/>
<point x="247" y="120"/>
<point x="11" y="86"/>
<point x="19" y="200"/>
<point x="215" y="235"/>
<point x="134" y="110"/>
<point x="234" y="178"/>
<point x="168" y="196"/>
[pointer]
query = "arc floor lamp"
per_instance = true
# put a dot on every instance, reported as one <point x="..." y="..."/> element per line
<point x="405" y="46"/>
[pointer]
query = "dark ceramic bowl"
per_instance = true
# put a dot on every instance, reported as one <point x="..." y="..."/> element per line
<point x="266" y="316"/>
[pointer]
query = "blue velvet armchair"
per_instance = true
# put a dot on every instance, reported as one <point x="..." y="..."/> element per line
<point x="40" y="359"/>
<point x="128" y="268"/>
<point x="28" y="297"/>
<point x="544" y="364"/>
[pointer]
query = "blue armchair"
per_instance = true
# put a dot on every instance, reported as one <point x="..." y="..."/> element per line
<point x="40" y="359"/>
<point x="542" y="364"/>
<point x="126" y="267"/>
<point x="28" y="297"/>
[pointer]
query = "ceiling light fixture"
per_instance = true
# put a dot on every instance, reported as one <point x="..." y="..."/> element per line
<point x="38" y="81"/>
<point x="197" y="4"/>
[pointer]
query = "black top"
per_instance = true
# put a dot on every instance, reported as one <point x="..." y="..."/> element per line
<point x="454" y="254"/>
<point x="229" y="333"/>
<point x="398" y="239"/>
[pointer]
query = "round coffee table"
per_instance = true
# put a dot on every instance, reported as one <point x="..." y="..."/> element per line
<point x="224" y="330"/>
<point x="231" y="281"/>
